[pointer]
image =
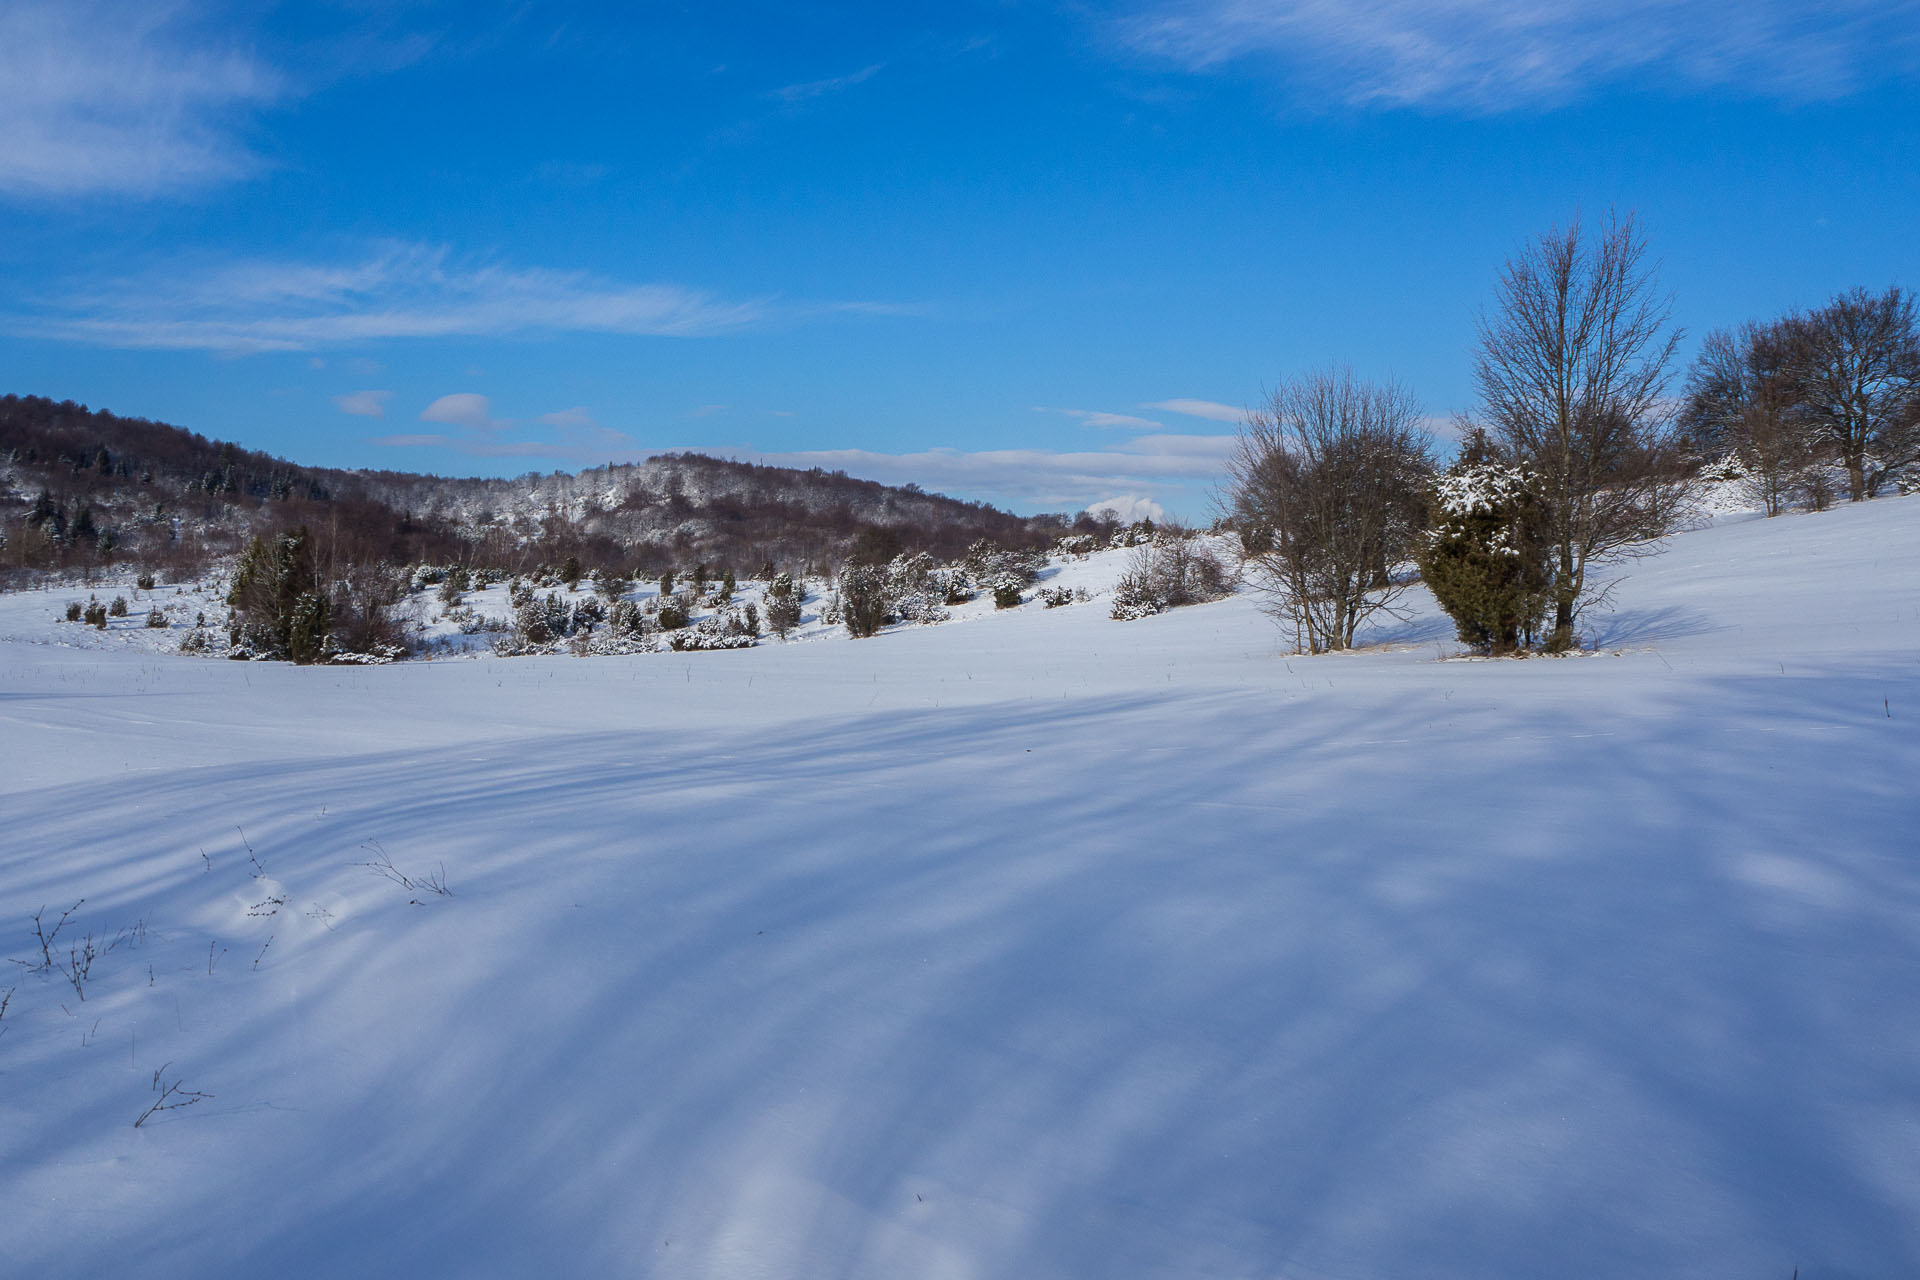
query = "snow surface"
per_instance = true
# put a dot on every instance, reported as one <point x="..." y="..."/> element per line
<point x="1048" y="946"/>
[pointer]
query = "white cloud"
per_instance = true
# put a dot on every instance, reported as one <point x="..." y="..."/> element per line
<point x="462" y="409"/>
<point x="1492" y="55"/>
<point x="119" y="97"/>
<point x="401" y="291"/>
<point x="1100" y="418"/>
<point x="571" y="435"/>
<point x="1212" y="410"/>
<point x="576" y="417"/>
<point x="1129" y="509"/>
<point x="1170" y="466"/>
<point x="365" y="404"/>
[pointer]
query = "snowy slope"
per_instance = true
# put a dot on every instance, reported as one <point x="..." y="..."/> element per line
<point x="1043" y="946"/>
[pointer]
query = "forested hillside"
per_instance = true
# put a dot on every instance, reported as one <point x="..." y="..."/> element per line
<point x="82" y="487"/>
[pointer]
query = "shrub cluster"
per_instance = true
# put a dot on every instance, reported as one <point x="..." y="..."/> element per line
<point x="1166" y="575"/>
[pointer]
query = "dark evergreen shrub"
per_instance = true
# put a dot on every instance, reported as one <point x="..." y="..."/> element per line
<point x="279" y="608"/>
<point x="783" y="605"/>
<point x="74" y="609"/>
<point x="118" y="609"/>
<point x="674" y="613"/>
<point x="863" y="598"/>
<point x="1485" y="553"/>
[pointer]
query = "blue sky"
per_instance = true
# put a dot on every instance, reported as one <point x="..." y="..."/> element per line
<point x="1038" y="253"/>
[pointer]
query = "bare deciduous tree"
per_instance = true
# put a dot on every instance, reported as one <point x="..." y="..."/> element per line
<point x="1740" y="398"/>
<point x="1572" y="371"/>
<point x="1855" y="371"/>
<point x="1326" y="486"/>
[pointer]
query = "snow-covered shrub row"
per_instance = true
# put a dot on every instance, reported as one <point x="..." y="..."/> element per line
<point x="913" y="588"/>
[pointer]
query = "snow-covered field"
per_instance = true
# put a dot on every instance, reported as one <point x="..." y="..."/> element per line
<point x="1045" y="946"/>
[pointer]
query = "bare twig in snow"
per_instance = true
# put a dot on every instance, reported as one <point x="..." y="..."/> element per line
<point x="434" y="882"/>
<point x="172" y="1096"/>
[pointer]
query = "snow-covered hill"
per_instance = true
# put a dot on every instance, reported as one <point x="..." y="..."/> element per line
<point x="1042" y="946"/>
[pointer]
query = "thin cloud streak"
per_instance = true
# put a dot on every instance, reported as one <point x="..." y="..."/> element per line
<point x="1156" y="463"/>
<point x="1497" y="55"/>
<point x="1101" y="418"/>
<point x="1212" y="410"/>
<point x="797" y="93"/>
<point x="107" y="97"/>
<point x="402" y="291"/>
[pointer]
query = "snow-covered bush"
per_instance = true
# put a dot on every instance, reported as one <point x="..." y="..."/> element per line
<point x="914" y="590"/>
<point x="627" y="619"/>
<point x="957" y="585"/>
<point x="728" y="629"/>
<point x="1006" y="590"/>
<point x="588" y="613"/>
<point x="1485" y="553"/>
<point x="1076" y="544"/>
<point x="863" y="598"/>
<point x="783" y="605"/>
<point x="198" y="640"/>
<point x="156" y="618"/>
<point x="543" y="620"/>
<point x="118" y="609"/>
<point x="672" y="611"/>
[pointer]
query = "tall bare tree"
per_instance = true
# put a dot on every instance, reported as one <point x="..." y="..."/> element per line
<point x="1572" y="370"/>
<point x="1855" y="368"/>
<point x="1326" y="489"/>
<point x="1741" y="399"/>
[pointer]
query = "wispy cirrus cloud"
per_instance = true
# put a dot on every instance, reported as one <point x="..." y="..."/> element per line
<point x="115" y="97"/>
<point x="1211" y="410"/>
<point x="1494" y="55"/>
<point x="564" y="435"/>
<point x="794" y="94"/>
<point x="397" y="291"/>
<point x="1101" y="418"/>
<point x="1173" y="468"/>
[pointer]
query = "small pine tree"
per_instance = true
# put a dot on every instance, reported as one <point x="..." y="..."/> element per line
<point x="279" y="607"/>
<point x="674" y="613"/>
<point x="1485" y="553"/>
<point x="118" y="609"/>
<point x="863" y="598"/>
<point x="783" y="605"/>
